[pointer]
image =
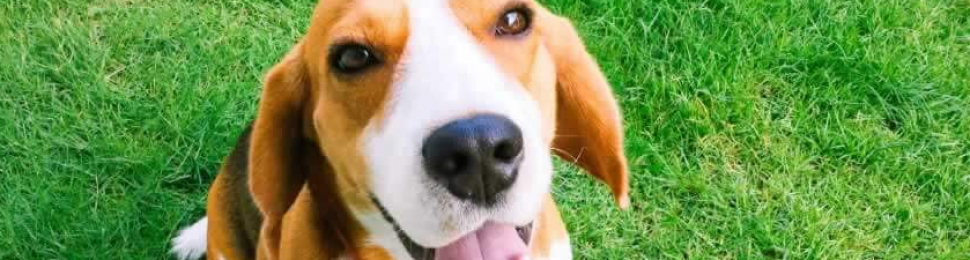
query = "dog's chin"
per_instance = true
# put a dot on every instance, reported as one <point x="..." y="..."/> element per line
<point x="490" y="240"/>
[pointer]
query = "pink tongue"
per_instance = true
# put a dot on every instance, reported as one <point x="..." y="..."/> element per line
<point x="491" y="242"/>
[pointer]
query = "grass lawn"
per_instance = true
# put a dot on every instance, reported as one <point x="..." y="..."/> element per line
<point x="788" y="129"/>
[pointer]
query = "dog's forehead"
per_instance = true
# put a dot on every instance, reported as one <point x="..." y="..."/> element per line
<point x="453" y="40"/>
<point x="394" y="14"/>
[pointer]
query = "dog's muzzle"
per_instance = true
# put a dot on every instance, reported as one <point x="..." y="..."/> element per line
<point x="492" y="241"/>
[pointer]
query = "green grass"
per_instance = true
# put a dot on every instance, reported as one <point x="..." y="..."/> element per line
<point x="789" y="129"/>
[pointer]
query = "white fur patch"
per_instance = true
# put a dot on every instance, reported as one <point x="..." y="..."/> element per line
<point x="382" y="234"/>
<point x="561" y="250"/>
<point x="191" y="241"/>
<point x="446" y="75"/>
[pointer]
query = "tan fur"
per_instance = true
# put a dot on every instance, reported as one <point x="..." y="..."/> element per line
<point x="346" y="106"/>
<point x="220" y="235"/>
<point x="274" y="174"/>
<point x="588" y="130"/>
<point x="306" y="171"/>
<point x="549" y="229"/>
<point x="514" y="56"/>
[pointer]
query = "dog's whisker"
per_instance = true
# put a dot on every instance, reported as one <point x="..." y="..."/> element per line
<point x="572" y="158"/>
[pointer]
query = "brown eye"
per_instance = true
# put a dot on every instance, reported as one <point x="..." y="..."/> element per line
<point x="514" y="22"/>
<point x="352" y="58"/>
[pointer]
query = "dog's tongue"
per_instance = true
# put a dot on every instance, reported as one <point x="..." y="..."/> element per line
<point x="491" y="242"/>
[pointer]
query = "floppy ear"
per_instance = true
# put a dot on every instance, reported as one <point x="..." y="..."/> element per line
<point x="588" y="131"/>
<point x="281" y="155"/>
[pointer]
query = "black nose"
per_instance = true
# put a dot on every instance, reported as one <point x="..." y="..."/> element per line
<point x="474" y="158"/>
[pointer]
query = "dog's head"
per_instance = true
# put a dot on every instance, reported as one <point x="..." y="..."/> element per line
<point x="443" y="114"/>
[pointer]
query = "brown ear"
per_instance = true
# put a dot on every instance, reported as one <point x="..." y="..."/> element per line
<point x="588" y="131"/>
<point x="281" y="155"/>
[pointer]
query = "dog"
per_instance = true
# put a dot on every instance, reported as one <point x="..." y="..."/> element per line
<point x="415" y="129"/>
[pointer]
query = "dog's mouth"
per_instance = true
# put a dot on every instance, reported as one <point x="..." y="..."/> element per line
<point x="488" y="242"/>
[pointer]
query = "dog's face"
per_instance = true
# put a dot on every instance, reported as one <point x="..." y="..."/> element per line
<point x="442" y="114"/>
<point x="400" y="71"/>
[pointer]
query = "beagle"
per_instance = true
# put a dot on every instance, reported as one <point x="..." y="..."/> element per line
<point x="415" y="129"/>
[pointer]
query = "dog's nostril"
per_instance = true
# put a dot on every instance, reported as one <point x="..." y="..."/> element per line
<point x="456" y="163"/>
<point x="506" y="151"/>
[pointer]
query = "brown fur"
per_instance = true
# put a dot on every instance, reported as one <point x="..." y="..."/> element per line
<point x="303" y="167"/>
<point x="588" y="132"/>
<point x="549" y="229"/>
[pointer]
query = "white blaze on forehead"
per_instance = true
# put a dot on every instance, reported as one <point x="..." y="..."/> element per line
<point x="445" y="74"/>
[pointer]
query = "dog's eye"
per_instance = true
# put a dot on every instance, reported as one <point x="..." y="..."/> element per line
<point x="514" y="22"/>
<point x="352" y="58"/>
